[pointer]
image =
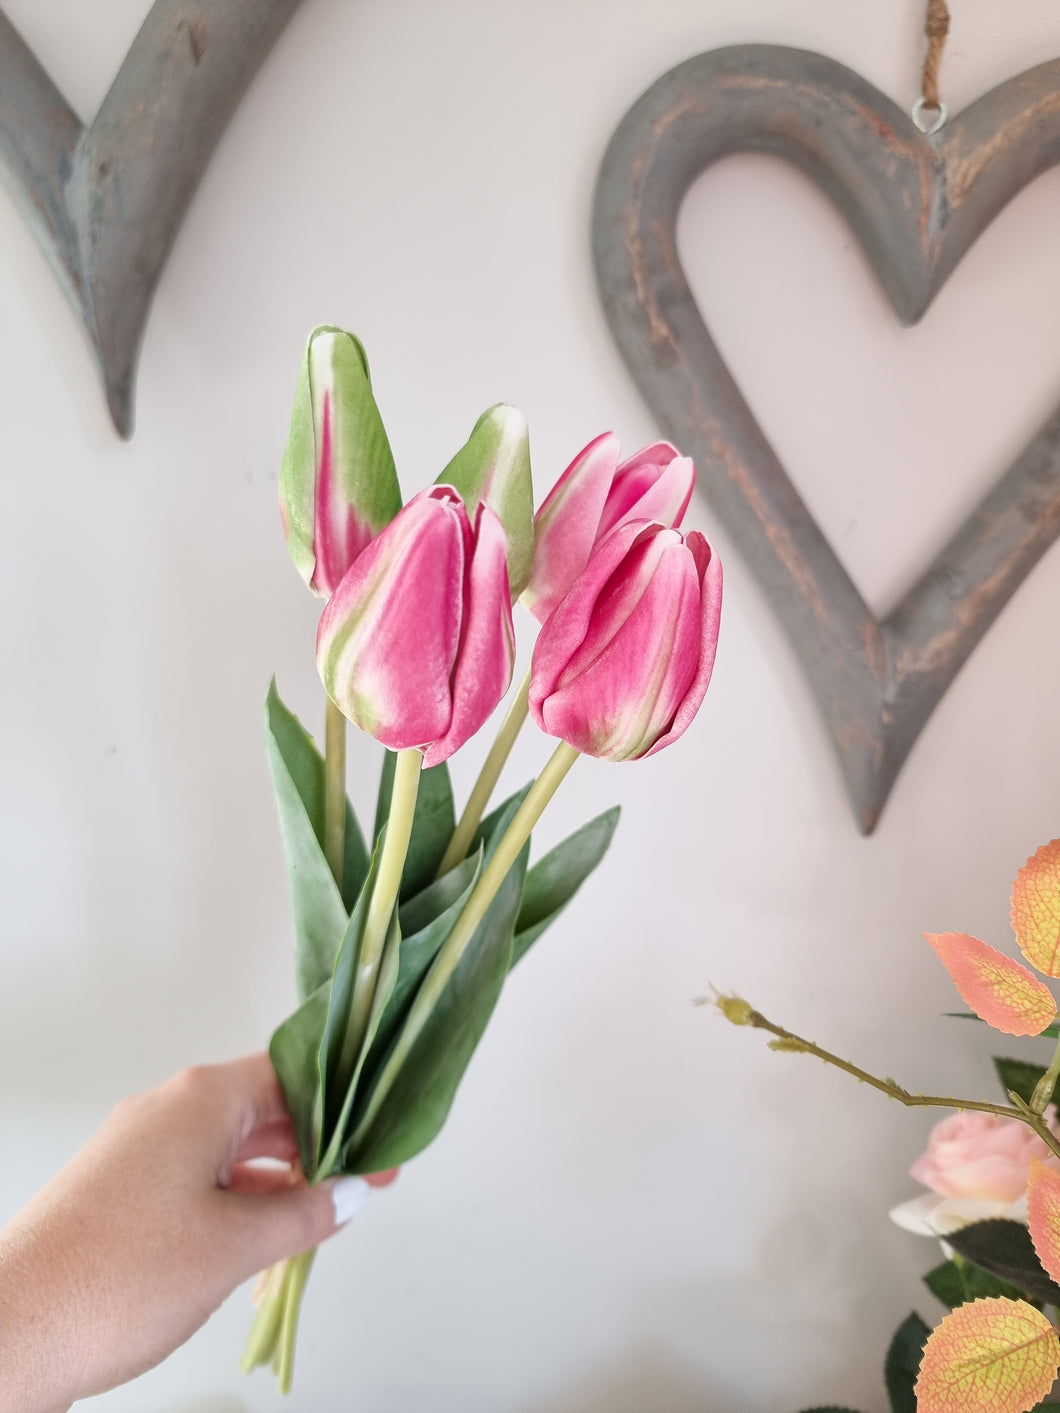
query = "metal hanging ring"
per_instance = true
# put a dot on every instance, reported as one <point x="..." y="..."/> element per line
<point x="929" y="120"/>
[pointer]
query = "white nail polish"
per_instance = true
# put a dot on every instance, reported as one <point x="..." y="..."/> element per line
<point x="349" y="1195"/>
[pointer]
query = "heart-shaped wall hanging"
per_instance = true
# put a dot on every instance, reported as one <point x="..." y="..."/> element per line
<point x="105" y="202"/>
<point x="917" y="202"/>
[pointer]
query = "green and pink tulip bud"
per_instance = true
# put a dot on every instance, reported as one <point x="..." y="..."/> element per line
<point x="493" y="468"/>
<point x="594" y="497"/>
<point x="338" y="484"/>
<point x="416" y="645"/>
<point x="621" y="666"/>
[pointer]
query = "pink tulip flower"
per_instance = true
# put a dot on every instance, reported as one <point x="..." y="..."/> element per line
<point x="416" y="645"/>
<point x="338" y="485"/>
<point x="594" y="496"/>
<point x="622" y="665"/>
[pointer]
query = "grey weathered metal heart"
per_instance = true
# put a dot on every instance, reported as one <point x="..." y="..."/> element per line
<point x="917" y="203"/>
<point x="105" y="202"/>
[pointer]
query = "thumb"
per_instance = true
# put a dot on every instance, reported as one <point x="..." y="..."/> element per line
<point x="270" y="1226"/>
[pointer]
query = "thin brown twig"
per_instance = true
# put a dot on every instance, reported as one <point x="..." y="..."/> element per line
<point x="741" y="1013"/>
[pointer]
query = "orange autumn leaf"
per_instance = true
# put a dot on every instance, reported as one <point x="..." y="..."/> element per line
<point x="1036" y="909"/>
<point x="988" y="1356"/>
<point x="1043" y="1214"/>
<point x="999" y="990"/>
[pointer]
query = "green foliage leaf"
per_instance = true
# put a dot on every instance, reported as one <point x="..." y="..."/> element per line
<point x="319" y="912"/>
<point x="1004" y="1249"/>
<point x="416" y="1094"/>
<point x="1018" y="1076"/>
<point x="955" y="1282"/>
<point x="555" y="878"/>
<point x="295" y="1054"/>
<point x="432" y="825"/>
<point x="902" y="1364"/>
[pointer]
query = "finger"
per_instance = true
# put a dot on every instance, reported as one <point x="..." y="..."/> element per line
<point x="382" y="1179"/>
<point x="271" y="1140"/>
<point x="260" y="1229"/>
<point x="248" y="1177"/>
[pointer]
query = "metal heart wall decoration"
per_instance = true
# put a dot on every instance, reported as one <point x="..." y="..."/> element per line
<point x="917" y="203"/>
<point x="105" y="202"/>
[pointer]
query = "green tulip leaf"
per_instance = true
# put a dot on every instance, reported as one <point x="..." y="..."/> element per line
<point x="418" y="951"/>
<point x="506" y="810"/>
<point x="318" y="913"/>
<point x="407" y="1106"/>
<point x="438" y="896"/>
<point x="295" y="1054"/>
<point x="305" y="765"/>
<point x="432" y="826"/>
<point x="1018" y="1077"/>
<point x="902" y="1365"/>
<point x="555" y="878"/>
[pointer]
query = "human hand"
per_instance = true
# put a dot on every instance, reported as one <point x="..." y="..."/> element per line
<point x="138" y="1240"/>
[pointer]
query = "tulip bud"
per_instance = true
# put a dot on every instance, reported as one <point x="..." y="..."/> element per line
<point x="621" y="666"/>
<point x="493" y="467"/>
<point x="416" y="645"/>
<point x="338" y="484"/>
<point x="594" y="496"/>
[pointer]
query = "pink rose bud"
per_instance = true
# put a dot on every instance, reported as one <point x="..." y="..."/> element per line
<point x="981" y="1157"/>
<point x="416" y="645"/>
<point x="621" y="667"/>
<point x="595" y="495"/>
<point x="976" y="1166"/>
<point x="338" y="485"/>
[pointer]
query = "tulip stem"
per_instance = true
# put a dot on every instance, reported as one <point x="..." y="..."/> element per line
<point x="740" y="1013"/>
<point x="487" y="778"/>
<point x="381" y="908"/>
<point x="335" y="791"/>
<point x="482" y="895"/>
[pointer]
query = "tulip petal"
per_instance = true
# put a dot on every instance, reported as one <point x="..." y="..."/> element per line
<point x="338" y="484"/>
<point x="566" y="627"/>
<point x="999" y="990"/>
<point x="486" y="655"/>
<point x="654" y="484"/>
<point x="389" y="635"/>
<point x="566" y="525"/>
<point x="617" y="695"/>
<point x="708" y="566"/>
<point x="493" y="468"/>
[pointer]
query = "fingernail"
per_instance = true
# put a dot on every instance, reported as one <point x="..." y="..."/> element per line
<point x="349" y="1195"/>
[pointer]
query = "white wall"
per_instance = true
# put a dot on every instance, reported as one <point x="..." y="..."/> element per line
<point x="633" y="1207"/>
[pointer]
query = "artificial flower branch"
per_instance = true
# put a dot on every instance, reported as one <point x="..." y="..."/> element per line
<point x="1043" y="1090"/>
<point x="740" y="1012"/>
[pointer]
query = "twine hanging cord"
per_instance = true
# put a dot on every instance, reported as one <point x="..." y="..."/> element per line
<point x="936" y="27"/>
<point x="929" y="111"/>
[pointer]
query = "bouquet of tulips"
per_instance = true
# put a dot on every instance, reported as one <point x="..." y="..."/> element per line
<point x="994" y="1171"/>
<point x="402" y="945"/>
